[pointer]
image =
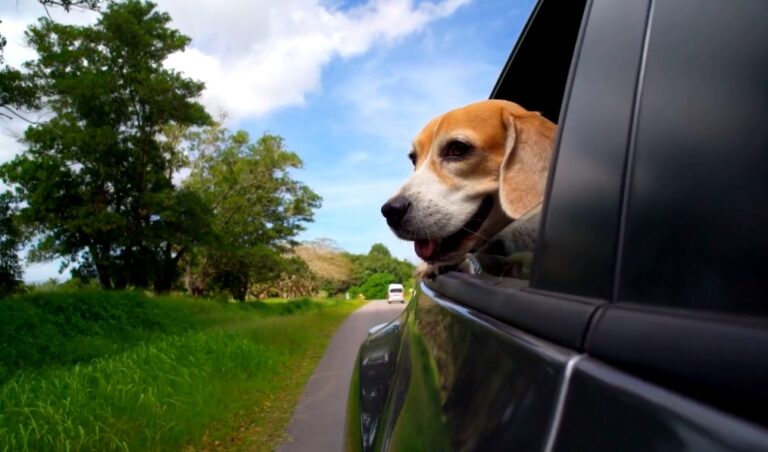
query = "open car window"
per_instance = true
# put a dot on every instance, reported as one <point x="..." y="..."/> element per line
<point x="510" y="253"/>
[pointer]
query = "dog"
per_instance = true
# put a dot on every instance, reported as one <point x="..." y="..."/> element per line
<point x="476" y="170"/>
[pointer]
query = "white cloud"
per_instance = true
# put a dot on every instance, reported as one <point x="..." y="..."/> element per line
<point x="258" y="56"/>
<point x="394" y="106"/>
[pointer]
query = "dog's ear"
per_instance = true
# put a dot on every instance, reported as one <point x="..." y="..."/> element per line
<point x="523" y="174"/>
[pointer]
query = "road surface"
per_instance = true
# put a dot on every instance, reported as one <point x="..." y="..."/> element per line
<point x="318" y="420"/>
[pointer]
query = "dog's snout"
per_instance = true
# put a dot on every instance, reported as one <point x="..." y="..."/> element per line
<point x="395" y="209"/>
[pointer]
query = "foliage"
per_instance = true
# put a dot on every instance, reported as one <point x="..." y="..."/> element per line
<point x="95" y="179"/>
<point x="10" y="240"/>
<point x="69" y="4"/>
<point x="380" y="260"/>
<point x="184" y="373"/>
<point x="375" y="287"/>
<point x="295" y="279"/>
<point x="257" y="209"/>
<point x="369" y="268"/>
<point x="16" y="90"/>
<point x="330" y="266"/>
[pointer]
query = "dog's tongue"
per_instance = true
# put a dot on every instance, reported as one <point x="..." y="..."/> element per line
<point x="425" y="248"/>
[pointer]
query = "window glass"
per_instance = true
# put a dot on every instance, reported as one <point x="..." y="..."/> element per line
<point x="510" y="252"/>
<point x="696" y="218"/>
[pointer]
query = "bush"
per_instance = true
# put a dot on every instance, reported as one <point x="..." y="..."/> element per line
<point x="375" y="287"/>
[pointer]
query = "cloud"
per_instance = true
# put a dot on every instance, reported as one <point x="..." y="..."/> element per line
<point x="256" y="56"/>
<point x="393" y="106"/>
<point x="261" y="56"/>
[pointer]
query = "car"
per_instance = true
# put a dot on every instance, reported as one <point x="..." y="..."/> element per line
<point x="395" y="293"/>
<point x="642" y="321"/>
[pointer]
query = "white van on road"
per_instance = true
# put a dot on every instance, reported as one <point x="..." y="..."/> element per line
<point x="395" y="293"/>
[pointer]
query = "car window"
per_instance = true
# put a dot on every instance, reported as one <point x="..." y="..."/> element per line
<point x="696" y="219"/>
<point x="510" y="252"/>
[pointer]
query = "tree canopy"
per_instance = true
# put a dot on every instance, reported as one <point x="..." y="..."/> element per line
<point x="95" y="178"/>
<point x="257" y="207"/>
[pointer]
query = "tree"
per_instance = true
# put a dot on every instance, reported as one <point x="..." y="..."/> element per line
<point x="95" y="178"/>
<point x="16" y="89"/>
<point x="375" y="288"/>
<point x="10" y="239"/>
<point x="257" y="207"/>
<point x="69" y="4"/>
<point x="380" y="260"/>
<point x="377" y="269"/>
<point x="294" y="279"/>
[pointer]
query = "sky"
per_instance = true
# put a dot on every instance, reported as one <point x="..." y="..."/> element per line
<point x="348" y="84"/>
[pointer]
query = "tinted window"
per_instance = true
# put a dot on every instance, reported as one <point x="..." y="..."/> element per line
<point x="582" y="212"/>
<point x="510" y="252"/>
<point x="395" y="290"/>
<point x="697" y="223"/>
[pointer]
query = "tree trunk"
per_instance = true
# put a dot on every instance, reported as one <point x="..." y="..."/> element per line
<point x="168" y="271"/>
<point x="101" y="264"/>
<point x="104" y="281"/>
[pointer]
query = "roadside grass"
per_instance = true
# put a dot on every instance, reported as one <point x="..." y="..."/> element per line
<point x="122" y="371"/>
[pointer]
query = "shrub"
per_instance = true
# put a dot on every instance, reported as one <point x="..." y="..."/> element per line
<point x="375" y="287"/>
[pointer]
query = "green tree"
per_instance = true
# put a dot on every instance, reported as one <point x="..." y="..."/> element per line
<point x="375" y="288"/>
<point x="257" y="207"/>
<point x="10" y="239"/>
<point x="380" y="260"/>
<point x="16" y="89"/>
<point x="95" y="178"/>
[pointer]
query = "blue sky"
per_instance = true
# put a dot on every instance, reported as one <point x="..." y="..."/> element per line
<point x="347" y="84"/>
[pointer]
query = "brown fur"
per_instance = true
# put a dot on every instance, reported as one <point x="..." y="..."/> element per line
<point x="517" y="143"/>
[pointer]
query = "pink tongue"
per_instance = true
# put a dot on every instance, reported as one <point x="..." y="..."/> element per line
<point x="425" y="248"/>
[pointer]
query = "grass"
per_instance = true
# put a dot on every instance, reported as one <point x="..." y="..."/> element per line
<point x="155" y="373"/>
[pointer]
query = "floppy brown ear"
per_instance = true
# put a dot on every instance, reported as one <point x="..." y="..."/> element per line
<point x="523" y="174"/>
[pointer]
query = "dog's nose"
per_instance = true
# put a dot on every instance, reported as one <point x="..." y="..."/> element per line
<point x="395" y="209"/>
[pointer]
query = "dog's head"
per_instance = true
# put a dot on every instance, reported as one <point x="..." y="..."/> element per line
<point x="476" y="169"/>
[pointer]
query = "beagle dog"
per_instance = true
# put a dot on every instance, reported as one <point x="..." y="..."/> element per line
<point x="476" y="170"/>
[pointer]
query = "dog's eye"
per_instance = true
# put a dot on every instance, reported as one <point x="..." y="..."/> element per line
<point x="412" y="158"/>
<point x="456" y="149"/>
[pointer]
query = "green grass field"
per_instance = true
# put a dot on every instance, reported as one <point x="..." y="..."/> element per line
<point x="123" y="371"/>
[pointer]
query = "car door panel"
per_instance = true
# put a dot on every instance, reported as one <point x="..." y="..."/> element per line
<point x="464" y="381"/>
<point x="608" y="410"/>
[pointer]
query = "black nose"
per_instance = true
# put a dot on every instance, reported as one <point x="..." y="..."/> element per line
<point x="395" y="209"/>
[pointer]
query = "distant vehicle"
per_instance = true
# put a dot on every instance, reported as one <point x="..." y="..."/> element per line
<point x="395" y="293"/>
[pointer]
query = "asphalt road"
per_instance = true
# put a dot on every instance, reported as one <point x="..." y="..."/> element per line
<point x="318" y="421"/>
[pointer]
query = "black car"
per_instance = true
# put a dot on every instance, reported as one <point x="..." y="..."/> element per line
<point x="644" y="323"/>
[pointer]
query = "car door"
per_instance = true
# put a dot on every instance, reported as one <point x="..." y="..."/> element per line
<point x="678" y="360"/>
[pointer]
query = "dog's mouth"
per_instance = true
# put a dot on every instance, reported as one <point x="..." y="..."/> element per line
<point x="431" y="250"/>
